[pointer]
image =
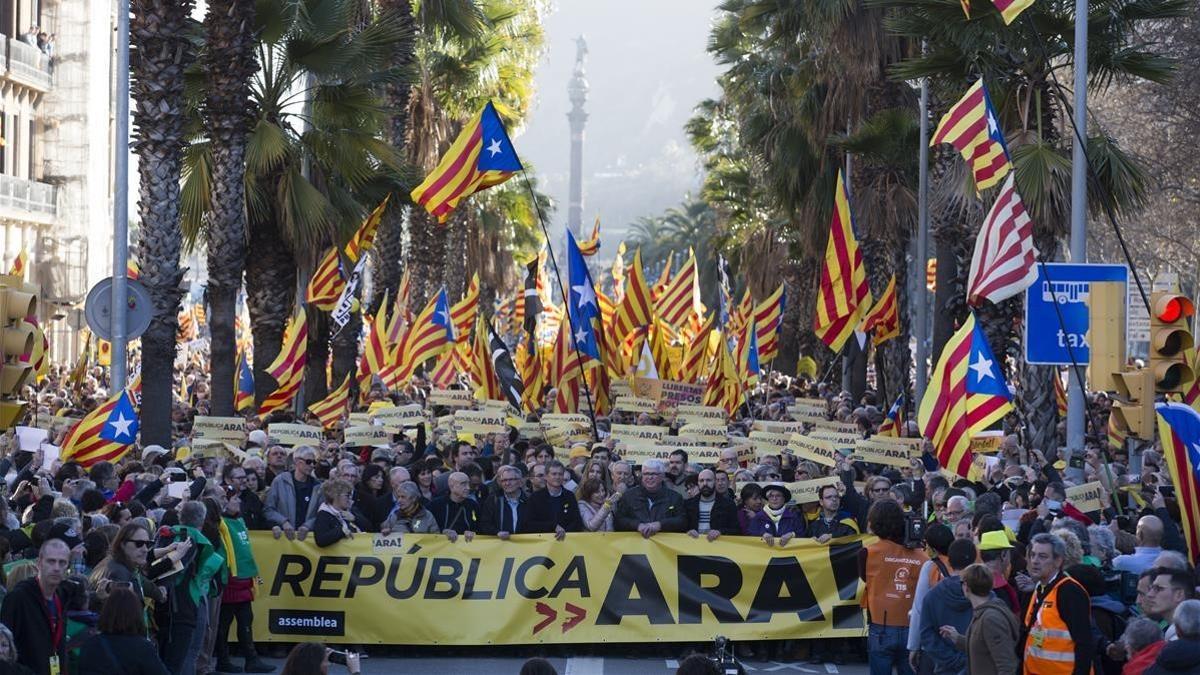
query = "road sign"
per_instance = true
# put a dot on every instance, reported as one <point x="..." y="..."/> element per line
<point x="1067" y="285"/>
<point x="97" y="309"/>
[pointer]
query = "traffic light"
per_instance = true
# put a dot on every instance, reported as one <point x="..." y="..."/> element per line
<point x="1170" y="339"/>
<point x="16" y="341"/>
<point x="1133" y="401"/>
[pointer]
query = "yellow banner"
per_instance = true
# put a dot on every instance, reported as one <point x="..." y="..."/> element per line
<point x="480" y="421"/>
<point x="231" y="429"/>
<point x="593" y="587"/>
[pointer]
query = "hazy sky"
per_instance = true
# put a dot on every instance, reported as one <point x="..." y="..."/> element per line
<point x="647" y="68"/>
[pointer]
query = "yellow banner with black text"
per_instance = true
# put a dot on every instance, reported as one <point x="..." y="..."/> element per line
<point x="591" y="587"/>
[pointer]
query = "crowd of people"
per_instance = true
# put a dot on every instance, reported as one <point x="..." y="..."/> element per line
<point x="146" y="562"/>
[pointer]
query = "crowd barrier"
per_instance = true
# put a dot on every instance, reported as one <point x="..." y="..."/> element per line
<point x="591" y="587"/>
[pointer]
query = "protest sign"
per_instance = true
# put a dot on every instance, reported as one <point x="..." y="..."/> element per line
<point x="986" y="442"/>
<point x="451" y="398"/>
<point x="296" y="434"/>
<point x="700" y="415"/>
<point x="231" y="429"/>
<point x="816" y="450"/>
<point x="837" y="439"/>
<point x="367" y="435"/>
<point x="635" y="404"/>
<point x="806" y="491"/>
<point x="395" y="417"/>
<point x="882" y="450"/>
<point x="1087" y="497"/>
<point x="480" y="421"/>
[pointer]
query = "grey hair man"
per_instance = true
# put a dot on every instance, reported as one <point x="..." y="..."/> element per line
<point x="650" y="508"/>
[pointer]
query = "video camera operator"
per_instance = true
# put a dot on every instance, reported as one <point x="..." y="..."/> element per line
<point x="890" y="570"/>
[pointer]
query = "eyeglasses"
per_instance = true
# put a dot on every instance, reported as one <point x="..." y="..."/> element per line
<point x="303" y="460"/>
<point x="140" y="543"/>
<point x="773" y="476"/>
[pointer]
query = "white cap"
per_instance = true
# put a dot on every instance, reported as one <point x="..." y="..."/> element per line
<point x="151" y="451"/>
<point x="258" y="437"/>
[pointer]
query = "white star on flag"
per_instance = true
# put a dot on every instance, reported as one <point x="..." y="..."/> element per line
<point x="587" y="295"/>
<point x="580" y="336"/>
<point x="121" y="425"/>
<point x="494" y="147"/>
<point x="445" y="316"/>
<point x="982" y="368"/>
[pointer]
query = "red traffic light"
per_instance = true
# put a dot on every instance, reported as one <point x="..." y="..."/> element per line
<point x="1171" y="308"/>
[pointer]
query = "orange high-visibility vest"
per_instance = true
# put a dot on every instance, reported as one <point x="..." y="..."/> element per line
<point x="1049" y="649"/>
<point x="892" y="573"/>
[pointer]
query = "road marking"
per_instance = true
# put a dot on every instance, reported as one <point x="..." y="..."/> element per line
<point x="672" y="664"/>
<point x="830" y="668"/>
<point x="584" y="665"/>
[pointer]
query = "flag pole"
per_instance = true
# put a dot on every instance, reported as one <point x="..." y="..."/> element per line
<point x="562" y="289"/>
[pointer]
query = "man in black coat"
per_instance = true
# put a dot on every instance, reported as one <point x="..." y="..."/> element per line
<point x="455" y="512"/>
<point x="507" y="512"/>
<point x="553" y="509"/>
<point x="36" y="612"/>
<point x="708" y="513"/>
<point x="650" y="508"/>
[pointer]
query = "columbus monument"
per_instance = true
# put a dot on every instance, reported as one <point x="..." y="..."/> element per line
<point x="577" y="89"/>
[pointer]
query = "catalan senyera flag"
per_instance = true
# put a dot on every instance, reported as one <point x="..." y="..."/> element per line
<point x="883" y="319"/>
<point x="464" y="311"/>
<point x="724" y="388"/>
<point x="327" y="283"/>
<point x="618" y="273"/>
<point x="590" y="247"/>
<point x="377" y="352"/>
<point x="532" y="375"/>
<point x="1060" y="395"/>
<point x="481" y="157"/>
<point x="1179" y="432"/>
<point x="768" y="317"/>
<point x="364" y="237"/>
<point x="740" y="313"/>
<point x="635" y="309"/>
<point x="567" y="367"/>
<point x="288" y="368"/>
<point x="892" y="422"/>
<point x="243" y="396"/>
<point x="972" y="127"/>
<point x="664" y="277"/>
<point x="966" y="394"/>
<point x="1117" y="433"/>
<point x="1005" y="260"/>
<point x="104" y="434"/>
<point x="334" y="407"/>
<point x="697" y="349"/>
<point x="19" y="265"/>
<point x="681" y="297"/>
<point x="132" y="270"/>
<point x="843" y="293"/>
<point x="1011" y="9"/>
<point x="483" y="371"/>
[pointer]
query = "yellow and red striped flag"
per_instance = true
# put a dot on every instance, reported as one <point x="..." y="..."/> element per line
<point x="445" y="370"/>
<point x="664" y="278"/>
<point x="883" y="319"/>
<point x="967" y="393"/>
<point x="364" y="237"/>
<point x="694" y="357"/>
<point x="681" y="297"/>
<point x="1011" y="9"/>
<point x="635" y="308"/>
<point x="590" y="247"/>
<point x="483" y="371"/>
<point x="431" y="333"/>
<point x="1060" y="395"/>
<point x="740" y="314"/>
<point x="288" y="368"/>
<point x="464" y="311"/>
<point x="618" y="273"/>
<point x="334" y="407"/>
<point x="724" y="388"/>
<point x="1117" y="433"/>
<point x="105" y="434"/>
<point x="326" y="285"/>
<point x="19" y="265"/>
<point x="843" y="294"/>
<point x="567" y="367"/>
<point x="529" y="363"/>
<point x="972" y="127"/>
<point x="132" y="270"/>
<point x="376" y="350"/>
<point x="481" y="157"/>
<point x="768" y="317"/>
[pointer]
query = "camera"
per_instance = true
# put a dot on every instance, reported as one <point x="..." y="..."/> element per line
<point x="914" y="530"/>
<point x="724" y="658"/>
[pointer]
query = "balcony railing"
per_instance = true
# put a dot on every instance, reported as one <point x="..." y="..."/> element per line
<point x="28" y="195"/>
<point x="28" y="62"/>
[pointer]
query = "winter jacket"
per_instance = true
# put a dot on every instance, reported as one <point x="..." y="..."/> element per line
<point x="25" y="613"/>
<point x="842" y="525"/>
<point x="945" y="605"/>
<point x="544" y="518"/>
<point x="791" y="521"/>
<point x="280" y="506"/>
<point x="1141" y="661"/>
<point x="723" y="517"/>
<point x="1179" y="657"/>
<point x="991" y="640"/>
<point x="637" y="507"/>
<point x="128" y="654"/>
<point x="495" y="515"/>
<point x="422" y="522"/>
<point x="458" y="516"/>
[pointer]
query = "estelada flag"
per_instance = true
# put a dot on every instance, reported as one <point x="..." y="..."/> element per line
<point x="481" y="157"/>
<point x="1179" y="432"/>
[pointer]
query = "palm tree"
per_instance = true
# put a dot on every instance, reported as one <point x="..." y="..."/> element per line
<point x="229" y="60"/>
<point x="1022" y="76"/>
<point x="161" y="49"/>
<point x="312" y="172"/>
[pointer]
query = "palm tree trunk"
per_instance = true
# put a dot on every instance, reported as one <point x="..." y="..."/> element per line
<point x="456" y="254"/>
<point x="426" y="255"/>
<point x="230" y="62"/>
<point x="270" y="292"/>
<point x="160" y="52"/>
<point x="315" y="385"/>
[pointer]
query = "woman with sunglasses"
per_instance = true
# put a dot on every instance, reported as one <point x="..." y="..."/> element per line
<point x="125" y="564"/>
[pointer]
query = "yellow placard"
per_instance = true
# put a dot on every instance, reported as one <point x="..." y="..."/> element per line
<point x="232" y="429"/>
<point x="296" y="434"/>
<point x="882" y="450"/>
<point x="705" y="433"/>
<point x="816" y="450"/>
<point x="847" y="428"/>
<point x="777" y="427"/>
<point x="367" y="435"/>
<point x="637" y="454"/>
<point x="770" y="441"/>
<point x="480" y="421"/>
<point x="645" y="387"/>
<point x="986" y="442"/>
<point x="700" y="415"/>
<point x="395" y="417"/>
<point x="635" y="404"/>
<point x="633" y="433"/>
<point x="566" y="419"/>
<point x="529" y="589"/>
<point x="619" y="388"/>
<point x="358" y="419"/>
<point x="451" y="398"/>
<point x="675" y="394"/>
<point x="837" y="439"/>
<point x="1087" y="497"/>
<point x="529" y="429"/>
